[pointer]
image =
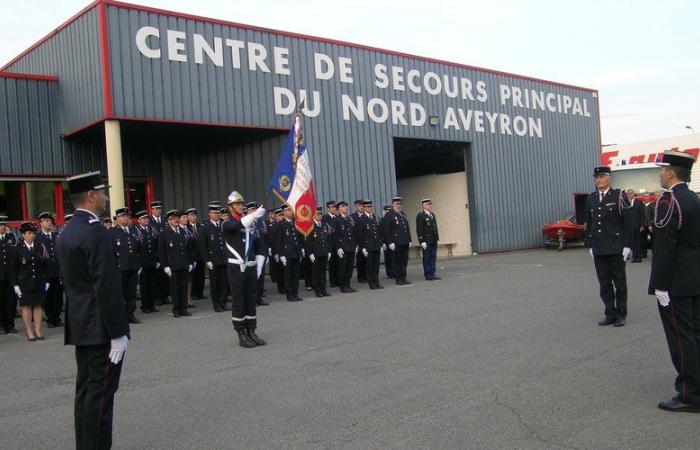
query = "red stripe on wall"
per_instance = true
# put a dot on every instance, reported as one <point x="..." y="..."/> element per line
<point x="28" y="76"/>
<point x="104" y="57"/>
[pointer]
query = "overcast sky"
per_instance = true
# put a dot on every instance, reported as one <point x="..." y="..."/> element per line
<point x="643" y="56"/>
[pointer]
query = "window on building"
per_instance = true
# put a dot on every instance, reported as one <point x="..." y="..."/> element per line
<point x="40" y="197"/>
<point x="11" y="199"/>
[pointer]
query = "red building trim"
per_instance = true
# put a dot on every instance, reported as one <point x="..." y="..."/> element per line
<point x="28" y="76"/>
<point x="58" y="202"/>
<point x="104" y="58"/>
<point x="600" y="131"/>
<point x="23" y="199"/>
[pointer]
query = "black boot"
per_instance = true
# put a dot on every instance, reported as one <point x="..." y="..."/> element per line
<point x="254" y="337"/>
<point x="244" y="340"/>
<point x="318" y="293"/>
<point x="326" y="293"/>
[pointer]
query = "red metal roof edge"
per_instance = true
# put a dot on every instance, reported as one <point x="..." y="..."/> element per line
<point x="28" y="76"/>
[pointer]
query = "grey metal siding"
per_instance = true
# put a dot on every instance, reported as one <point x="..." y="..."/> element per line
<point x="73" y="55"/>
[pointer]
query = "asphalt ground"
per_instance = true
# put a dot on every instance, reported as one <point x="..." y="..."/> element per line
<point x="504" y="352"/>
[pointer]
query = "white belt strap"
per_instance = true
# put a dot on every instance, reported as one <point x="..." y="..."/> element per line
<point x="238" y="260"/>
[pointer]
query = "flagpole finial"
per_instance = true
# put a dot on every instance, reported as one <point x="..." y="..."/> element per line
<point x="301" y="106"/>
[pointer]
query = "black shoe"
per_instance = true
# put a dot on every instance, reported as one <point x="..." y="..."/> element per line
<point x="244" y="340"/>
<point x="263" y="303"/>
<point x="166" y="302"/>
<point x="378" y="286"/>
<point x="51" y="325"/>
<point x="606" y="321"/>
<point x="352" y="290"/>
<point x="435" y="278"/>
<point x="3" y="330"/>
<point x="186" y="313"/>
<point x="133" y="319"/>
<point x="399" y="283"/>
<point x="12" y="330"/>
<point x="255" y="338"/>
<point x="40" y="338"/>
<point x="333" y="285"/>
<point x="177" y="315"/>
<point x="345" y="290"/>
<point x="676" y="405"/>
<point x="371" y="286"/>
<point x="192" y="306"/>
<point x="619" y="323"/>
<point x="406" y="282"/>
<point x="290" y="298"/>
<point x="429" y="278"/>
<point x="154" y="309"/>
<point x="218" y="309"/>
<point x="227" y="308"/>
<point x="362" y="280"/>
<point x="298" y="299"/>
<point x="326" y="293"/>
<point x="318" y="293"/>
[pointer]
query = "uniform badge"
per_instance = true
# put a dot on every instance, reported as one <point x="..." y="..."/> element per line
<point x="171" y="244"/>
<point x="118" y="243"/>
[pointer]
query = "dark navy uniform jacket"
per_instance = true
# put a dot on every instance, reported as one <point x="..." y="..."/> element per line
<point x="148" y="246"/>
<point x="369" y="233"/>
<point x="6" y="245"/>
<point x="396" y="228"/>
<point x="29" y="267"/>
<point x="675" y="264"/>
<point x="345" y="236"/>
<point x="235" y="236"/>
<point x="288" y="241"/>
<point x="174" y="249"/>
<point x="95" y="308"/>
<point x="211" y="243"/>
<point x="195" y="230"/>
<point x="426" y="228"/>
<point x="635" y="215"/>
<point x="159" y="226"/>
<point x="320" y="241"/>
<point x="606" y="227"/>
<point x="49" y="243"/>
<point x="127" y="247"/>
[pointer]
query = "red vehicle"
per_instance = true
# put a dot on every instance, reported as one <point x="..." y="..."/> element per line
<point x="569" y="230"/>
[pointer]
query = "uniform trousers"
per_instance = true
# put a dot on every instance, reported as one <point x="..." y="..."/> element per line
<point x="198" y="280"/>
<point x="178" y="290"/>
<point x="345" y="266"/>
<point x="372" y="267"/>
<point x="149" y="290"/>
<point x="129" y="279"/>
<point x="400" y="262"/>
<point x="389" y="263"/>
<point x="291" y="278"/>
<point x="361" y="264"/>
<point x="261" y="283"/>
<point x="218" y="282"/>
<point x="333" y="270"/>
<point x="613" y="284"/>
<point x="8" y="305"/>
<point x="318" y="273"/>
<point x="429" y="257"/>
<point x="54" y="301"/>
<point x="244" y="290"/>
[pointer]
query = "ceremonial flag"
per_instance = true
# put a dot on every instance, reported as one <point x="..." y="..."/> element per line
<point x="292" y="181"/>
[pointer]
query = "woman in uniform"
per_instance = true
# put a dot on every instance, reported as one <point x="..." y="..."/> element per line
<point x="29" y="280"/>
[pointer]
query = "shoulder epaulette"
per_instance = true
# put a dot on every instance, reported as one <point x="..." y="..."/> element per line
<point x="93" y="220"/>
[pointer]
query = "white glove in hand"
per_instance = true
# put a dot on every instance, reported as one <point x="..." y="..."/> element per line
<point x="189" y="268"/>
<point x="303" y="253"/>
<point x="260" y="212"/>
<point x="312" y="257"/>
<point x="117" y="349"/>
<point x="139" y="272"/>
<point x="340" y="253"/>
<point x="384" y="247"/>
<point x="277" y="258"/>
<point x="410" y="244"/>
<point x="259" y="263"/>
<point x="591" y="250"/>
<point x="392" y="246"/>
<point x="329" y="256"/>
<point x="626" y="254"/>
<point x="46" y="287"/>
<point x="18" y="291"/>
<point x="210" y="265"/>
<point x="424" y="245"/>
<point x="157" y="265"/>
<point x="194" y="265"/>
<point x="365" y="252"/>
<point x="662" y="297"/>
<point x="269" y="251"/>
<point x="284" y="260"/>
<point x="356" y="249"/>
<point x="168" y="272"/>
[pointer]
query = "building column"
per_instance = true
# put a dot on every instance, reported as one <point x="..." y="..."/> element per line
<point x="115" y="169"/>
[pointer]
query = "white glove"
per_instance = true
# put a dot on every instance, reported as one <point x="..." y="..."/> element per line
<point x="357" y="249"/>
<point x="312" y="257"/>
<point x="284" y="260"/>
<point x="260" y="212"/>
<point x="168" y="272"/>
<point x="269" y="251"/>
<point x="259" y="263"/>
<point x="329" y="256"/>
<point x="194" y="265"/>
<point x="626" y="254"/>
<point x="410" y="244"/>
<point x="662" y="297"/>
<point x="303" y="253"/>
<point x="189" y="268"/>
<point x="210" y="265"/>
<point x="384" y="247"/>
<point x="424" y="245"/>
<point x="18" y="291"/>
<point x="340" y="253"/>
<point x="365" y="252"/>
<point x="591" y="250"/>
<point x="392" y="246"/>
<point x="117" y="349"/>
<point x="139" y="272"/>
<point x="46" y="287"/>
<point x="438" y="242"/>
<point x="277" y="258"/>
<point x="157" y="265"/>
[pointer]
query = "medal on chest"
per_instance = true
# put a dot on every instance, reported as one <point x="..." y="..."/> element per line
<point x="118" y="243"/>
<point x="171" y="244"/>
<point x="24" y="261"/>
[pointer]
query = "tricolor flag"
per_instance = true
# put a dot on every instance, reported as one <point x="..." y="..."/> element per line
<point x="293" y="182"/>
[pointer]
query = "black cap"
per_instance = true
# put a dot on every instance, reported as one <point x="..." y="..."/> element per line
<point x="183" y="213"/>
<point x="387" y="207"/>
<point x="4" y="220"/>
<point x="319" y="209"/>
<point x="330" y="203"/>
<point x="106" y="220"/>
<point x="251" y="205"/>
<point x="172" y="213"/>
<point x="46" y="215"/>
<point x="358" y="202"/>
<point x="278" y="212"/>
<point x="341" y="203"/>
<point x="84" y="182"/>
<point x="397" y="200"/>
<point x="602" y="170"/>
<point x="677" y="159"/>
<point x="367" y="203"/>
<point x="142" y="214"/>
<point x="27" y="226"/>
<point x="213" y="206"/>
<point x="156" y="204"/>
<point x="191" y="211"/>
<point x="120" y="211"/>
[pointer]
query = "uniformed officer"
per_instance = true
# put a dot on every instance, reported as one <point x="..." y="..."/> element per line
<point x="107" y="222"/>
<point x="191" y="250"/>
<point x="360" y="259"/>
<point x="156" y="218"/>
<point x="397" y="233"/>
<point x="370" y="241"/>
<point x="261" y="235"/>
<point x="244" y="255"/>
<point x="319" y="245"/>
<point x="274" y="241"/>
<point x="126" y="245"/>
<point x="193" y="226"/>
<point x="46" y="236"/>
<point x="148" y="256"/>
<point x="29" y="279"/>
<point x="8" y="301"/>
<point x="329" y="219"/>
<point x="174" y="255"/>
<point x="428" y="237"/>
<point x="635" y="217"/>
<point x="96" y="316"/>
<point x="211" y="249"/>
<point x="388" y="254"/>
<point x="674" y="277"/>
<point x="344" y="245"/>
<point x="271" y="260"/>
<point x="609" y="243"/>
<point x="159" y="223"/>
<point x="289" y="248"/>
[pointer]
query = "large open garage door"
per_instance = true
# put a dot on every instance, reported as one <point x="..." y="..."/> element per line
<point x="439" y="170"/>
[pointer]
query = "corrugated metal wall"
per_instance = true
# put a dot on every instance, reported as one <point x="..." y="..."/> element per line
<point x="73" y="55"/>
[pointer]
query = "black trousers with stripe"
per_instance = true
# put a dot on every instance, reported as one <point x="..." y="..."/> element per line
<point x="95" y="386"/>
<point x="244" y="289"/>
<point x="681" y="322"/>
<point x="613" y="284"/>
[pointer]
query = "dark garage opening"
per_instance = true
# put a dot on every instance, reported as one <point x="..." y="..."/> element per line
<point x="416" y="157"/>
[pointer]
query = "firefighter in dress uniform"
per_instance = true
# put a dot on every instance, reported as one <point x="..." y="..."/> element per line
<point x="318" y="249"/>
<point x="8" y="300"/>
<point x="360" y="258"/>
<point x="176" y="260"/>
<point x="127" y="247"/>
<point x="148" y="258"/>
<point x="160" y="223"/>
<point x="428" y="237"/>
<point x="329" y="219"/>
<point x="211" y="249"/>
<point x="397" y="233"/>
<point x="388" y="254"/>
<point x="47" y="236"/>
<point x="344" y="246"/>
<point x="370" y="241"/>
<point x="289" y="248"/>
<point x="194" y="227"/>
<point x="261" y="235"/>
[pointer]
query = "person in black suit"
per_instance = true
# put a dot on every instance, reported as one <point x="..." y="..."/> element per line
<point x="428" y="237"/>
<point x="96" y="317"/>
<point x="211" y="250"/>
<point x="360" y="258"/>
<point x="329" y="219"/>
<point x="635" y="218"/>
<point x="29" y="279"/>
<point x="674" y="277"/>
<point x="369" y="239"/>
<point x="318" y="246"/>
<point x="344" y="245"/>
<point x="388" y="254"/>
<point x="127" y="246"/>
<point x="174" y="254"/>
<point x="8" y="301"/>
<point x="159" y="223"/>
<point x="397" y="233"/>
<point x="148" y="259"/>
<point x="647" y="224"/>
<point x="289" y="249"/>
<point x="609" y="241"/>
<point x="47" y="236"/>
<point x="194" y="227"/>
